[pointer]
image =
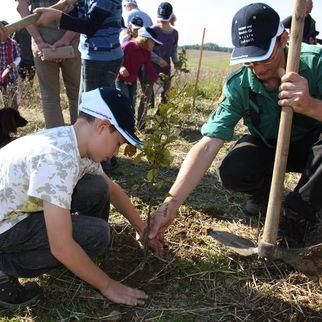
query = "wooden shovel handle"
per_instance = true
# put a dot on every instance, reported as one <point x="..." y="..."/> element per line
<point x="284" y="132"/>
<point x="32" y="18"/>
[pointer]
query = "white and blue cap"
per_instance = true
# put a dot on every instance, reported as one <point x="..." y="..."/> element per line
<point x="110" y="104"/>
<point x="254" y="30"/>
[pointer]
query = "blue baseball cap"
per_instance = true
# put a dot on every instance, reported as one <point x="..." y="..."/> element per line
<point x="254" y="30"/>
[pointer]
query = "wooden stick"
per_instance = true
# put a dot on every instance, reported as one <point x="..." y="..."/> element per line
<point x="198" y="70"/>
<point x="284" y="132"/>
<point x="32" y="18"/>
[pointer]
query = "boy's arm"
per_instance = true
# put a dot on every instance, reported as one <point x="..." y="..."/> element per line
<point x="195" y="165"/>
<point x="65" y="249"/>
<point x="123" y="204"/>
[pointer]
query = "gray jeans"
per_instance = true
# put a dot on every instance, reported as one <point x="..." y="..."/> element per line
<point x="48" y="73"/>
<point x="24" y="249"/>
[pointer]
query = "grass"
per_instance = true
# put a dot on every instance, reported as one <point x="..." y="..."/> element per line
<point x="198" y="279"/>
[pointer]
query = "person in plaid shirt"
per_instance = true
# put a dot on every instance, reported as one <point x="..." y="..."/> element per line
<point x="9" y="61"/>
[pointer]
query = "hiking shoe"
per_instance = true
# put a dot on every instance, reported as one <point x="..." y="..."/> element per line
<point x="14" y="295"/>
<point x="294" y="227"/>
<point x="109" y="165"/>
<point x="255" y="206"/>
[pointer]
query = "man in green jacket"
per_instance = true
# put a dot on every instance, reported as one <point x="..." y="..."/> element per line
<point x="255" y="93"/>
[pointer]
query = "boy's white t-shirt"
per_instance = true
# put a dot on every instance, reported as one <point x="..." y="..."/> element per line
<point x="42" y="166"/>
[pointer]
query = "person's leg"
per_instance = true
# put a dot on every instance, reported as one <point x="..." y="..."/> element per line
<point x="146" y="100"/>
<point x="12" y="95"/>
<point x="166" y="87"/>
<point x="248" y="167"/>
<point x="24" y="249"/>
<point x="132" y="93"/>
<point x="122" y="87"/>
<point x="71" y="75"/>
<point x="48" y="77"/>
<point x="99" y="73"/>
<point x="306" y="198"/>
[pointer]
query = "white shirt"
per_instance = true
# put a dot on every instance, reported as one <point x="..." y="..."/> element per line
<point x="41" y="166"/>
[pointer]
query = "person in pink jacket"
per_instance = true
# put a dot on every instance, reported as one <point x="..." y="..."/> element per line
<point x="137" y="53"/>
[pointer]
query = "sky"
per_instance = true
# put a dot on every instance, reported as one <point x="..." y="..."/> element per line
<point x="193" y="16"/>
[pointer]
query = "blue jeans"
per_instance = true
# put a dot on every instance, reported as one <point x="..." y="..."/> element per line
<point x="24" y="249"/>
<point x="129" y="90"/>
<point x="96" y="74"/>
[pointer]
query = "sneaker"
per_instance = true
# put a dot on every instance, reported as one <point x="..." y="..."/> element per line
<point x="14" y="295"/>
<point x="294" y="228"/>
<point x="255" y="206"/>
<point x="109" y="165"/>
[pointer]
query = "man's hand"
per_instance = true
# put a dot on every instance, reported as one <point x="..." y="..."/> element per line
<point x="294" y="92"/>
<point x="40" y="46"/>
<point x="48" y="15"/>
<point x="122" y="294"/>
<point x="160" y="220"/>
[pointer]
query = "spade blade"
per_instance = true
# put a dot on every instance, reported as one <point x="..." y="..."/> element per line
<point x="238" y="244"/>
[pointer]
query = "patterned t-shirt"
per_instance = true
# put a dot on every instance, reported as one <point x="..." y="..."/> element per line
<point x="42" y="166"/>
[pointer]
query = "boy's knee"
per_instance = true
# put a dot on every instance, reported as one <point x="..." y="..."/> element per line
<point x="103" y="235"/>
<point x="95" y="236"/>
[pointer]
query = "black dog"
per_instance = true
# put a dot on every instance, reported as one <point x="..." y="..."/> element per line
<point x="10" y="120"/>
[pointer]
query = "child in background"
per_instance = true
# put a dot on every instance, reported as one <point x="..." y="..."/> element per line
<point x="131" y="31"/>
<point x="9" y="61"/>
<point x="27" y="65"/>
<point x="137" y="53"/>
<point x="169" y="38"/>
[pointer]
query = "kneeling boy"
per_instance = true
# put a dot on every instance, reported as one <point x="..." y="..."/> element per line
<point x="47" y="176"/>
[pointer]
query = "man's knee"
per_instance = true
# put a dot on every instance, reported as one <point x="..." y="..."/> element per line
<point x="232" y="173"/>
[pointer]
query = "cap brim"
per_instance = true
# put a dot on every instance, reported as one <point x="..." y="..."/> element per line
<point x="164" y="19"/>
<point x="135" y="26"/>
<point x="131" y="138"/>
<point x="144" y="33"/>
<point x="257" y="53"/>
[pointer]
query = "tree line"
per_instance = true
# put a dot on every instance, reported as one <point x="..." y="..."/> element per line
<point x="208" y="46"/>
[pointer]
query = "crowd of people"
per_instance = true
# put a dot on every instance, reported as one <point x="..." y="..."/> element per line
<point x="54" y="194"/>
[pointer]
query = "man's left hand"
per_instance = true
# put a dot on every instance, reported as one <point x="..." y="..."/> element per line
<point x="294" y="92"/>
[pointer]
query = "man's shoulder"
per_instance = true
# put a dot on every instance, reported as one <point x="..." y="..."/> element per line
<point x="310" y="49"/>
<point x="235" y="75"/>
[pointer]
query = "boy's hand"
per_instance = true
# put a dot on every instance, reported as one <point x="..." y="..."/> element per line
<point x="122" y="294"/>
<point x="154" y="244"/>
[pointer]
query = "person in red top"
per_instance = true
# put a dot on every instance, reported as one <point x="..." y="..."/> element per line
<point x="137" y="53"/>
<point x="9" y="61"/>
